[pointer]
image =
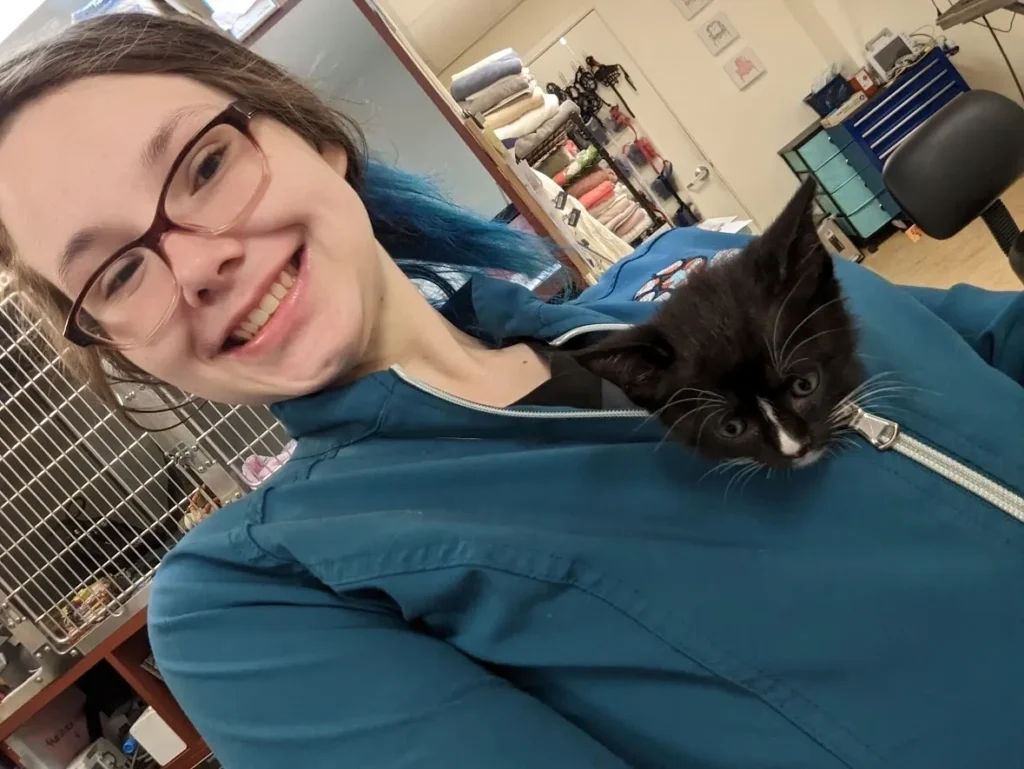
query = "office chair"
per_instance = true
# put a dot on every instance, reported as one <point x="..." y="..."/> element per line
<point x="958" y="164"/>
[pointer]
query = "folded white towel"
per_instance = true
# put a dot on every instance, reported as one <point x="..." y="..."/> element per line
<point x="529" y="122"/>
<point x="512" y="112"/>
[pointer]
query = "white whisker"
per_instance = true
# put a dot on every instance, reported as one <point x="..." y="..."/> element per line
<point x="724" y="466"/>
<point x="745" y="472"/>
<point x="660" y="411"/>
<point x="700" y="432"/>
<point x="691" y="412"/>
<point x="735" y="476"/>
<point x="750" y="477"/>
<point x="877" y="378"/>
<point x="786" y="363"/>
<point x="775" y="353"/>
<point x="805" y="320"/>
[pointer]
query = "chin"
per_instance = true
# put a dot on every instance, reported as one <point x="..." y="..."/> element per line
<point x="808" y="459"/>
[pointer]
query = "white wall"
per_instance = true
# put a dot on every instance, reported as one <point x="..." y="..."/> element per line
<point x="739" y="131"/>
<point x="825" y="22"/>
<point x="979" y="60"/>
<point x="526" y="26"/>
<point x="444" y="29"/>
<point x="331" y="46"/>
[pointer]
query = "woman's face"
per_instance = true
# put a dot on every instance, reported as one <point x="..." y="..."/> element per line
<point x="84" y="166"/>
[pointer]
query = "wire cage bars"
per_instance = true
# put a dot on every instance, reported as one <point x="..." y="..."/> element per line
<point x="90" y="505"/>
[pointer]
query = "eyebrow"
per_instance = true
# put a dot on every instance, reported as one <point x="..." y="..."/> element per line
<point x="161" y="138"/>
<point x="154" y="150"/>
<point x="78" y="244"/>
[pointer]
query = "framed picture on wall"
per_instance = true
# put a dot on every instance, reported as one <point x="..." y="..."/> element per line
<point x="744" y="68"/>
<point x="690" y="8"/>
<point x="717" y="33"/>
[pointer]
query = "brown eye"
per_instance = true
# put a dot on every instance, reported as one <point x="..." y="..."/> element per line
<point x="802" y="386"/>
<point x="207" y="168"/>
<point x="732" y="428"/>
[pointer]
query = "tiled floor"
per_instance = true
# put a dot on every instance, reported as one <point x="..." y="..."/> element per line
<point x="970" y="257"/>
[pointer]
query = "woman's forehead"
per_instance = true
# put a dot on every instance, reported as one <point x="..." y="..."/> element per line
<point x="97" y="113"/>
<point x="82" y="156"/>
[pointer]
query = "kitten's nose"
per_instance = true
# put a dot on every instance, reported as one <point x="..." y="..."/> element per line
<point x="791" y="445"/>
<point x="803" y="448"/>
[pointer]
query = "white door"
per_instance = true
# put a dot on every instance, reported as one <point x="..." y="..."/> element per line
<point x="696" y="177"/>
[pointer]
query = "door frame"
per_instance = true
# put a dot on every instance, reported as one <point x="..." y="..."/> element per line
<point x="566" y="25"/>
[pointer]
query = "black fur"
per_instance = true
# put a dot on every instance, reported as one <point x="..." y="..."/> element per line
<point x="761" y="327"/>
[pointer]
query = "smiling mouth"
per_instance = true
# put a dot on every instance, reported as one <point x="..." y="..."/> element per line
<point x="268" y="305"/>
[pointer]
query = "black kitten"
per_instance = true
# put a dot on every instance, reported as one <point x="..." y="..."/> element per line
<point x="750" y="358"/>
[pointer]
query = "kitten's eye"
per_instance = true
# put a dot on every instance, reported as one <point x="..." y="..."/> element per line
<point x="802" y="386"/>
<point x="732" y="428"/>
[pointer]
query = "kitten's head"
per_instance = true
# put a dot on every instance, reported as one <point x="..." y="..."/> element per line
<point x="752" y="356"/>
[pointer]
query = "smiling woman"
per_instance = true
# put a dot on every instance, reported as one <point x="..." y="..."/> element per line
<point x="203" y="165"/>
<point x="483" y="554"/>
<point x="214" y="182"/>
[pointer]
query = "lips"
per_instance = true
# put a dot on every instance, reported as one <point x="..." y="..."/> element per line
<point x="260" y="314"/>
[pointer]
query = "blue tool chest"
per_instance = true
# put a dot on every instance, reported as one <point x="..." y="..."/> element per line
<point x="847" y="160"/>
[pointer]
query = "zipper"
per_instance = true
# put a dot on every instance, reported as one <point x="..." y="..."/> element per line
<point x="526" y="413"/>
<point x="883" y="434"/>
<point x="886" y="435"/>
<point x="593" y="328"/>
<point x="521" y="413"/>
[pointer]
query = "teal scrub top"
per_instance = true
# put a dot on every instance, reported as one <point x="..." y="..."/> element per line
<point x="429" y="585"/>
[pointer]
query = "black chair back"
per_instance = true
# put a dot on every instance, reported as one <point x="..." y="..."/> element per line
<point x="958" y="164"/>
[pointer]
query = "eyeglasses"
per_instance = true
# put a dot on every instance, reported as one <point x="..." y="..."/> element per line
<point x="215" y="182"/>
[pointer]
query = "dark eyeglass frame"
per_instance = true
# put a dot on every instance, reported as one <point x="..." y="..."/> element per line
<point x="238" y="115"/>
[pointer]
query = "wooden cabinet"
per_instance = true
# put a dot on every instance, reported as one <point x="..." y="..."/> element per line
<point x="124" y="651"/>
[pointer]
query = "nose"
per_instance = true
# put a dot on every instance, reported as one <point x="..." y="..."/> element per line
<point x="205" y="266"/>
<point x="803" y="448"/>
<point x="790" y="444"/>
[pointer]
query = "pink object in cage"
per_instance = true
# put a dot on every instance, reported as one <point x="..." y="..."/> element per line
<point x="256" y="469"/>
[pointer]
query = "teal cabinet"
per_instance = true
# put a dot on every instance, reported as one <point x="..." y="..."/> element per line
<point x="850" y="187"/>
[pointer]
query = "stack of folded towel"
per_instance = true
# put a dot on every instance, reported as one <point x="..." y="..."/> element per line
<point x="597" y="195"/>
<point x="528" y="122"/>
<point x="589" y="181"/>
<point x="505" y="97"/>
<point x="529" y="141"/>
<point x="635" y="226"/>
<point x="611" y="204"/>
<point x="475" y="84"/>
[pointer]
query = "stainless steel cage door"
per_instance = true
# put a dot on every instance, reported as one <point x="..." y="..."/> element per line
<point x="90" y="505"/>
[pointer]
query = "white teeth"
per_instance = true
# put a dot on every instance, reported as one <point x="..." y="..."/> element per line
<point x="268" y="305"/>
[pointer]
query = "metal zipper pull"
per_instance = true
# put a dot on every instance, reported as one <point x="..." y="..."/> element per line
<point x="881" y="433"/>
<point x="885" y="434"/>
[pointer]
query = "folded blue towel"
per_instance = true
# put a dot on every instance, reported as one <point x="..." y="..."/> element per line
<point x="489" y="73"/>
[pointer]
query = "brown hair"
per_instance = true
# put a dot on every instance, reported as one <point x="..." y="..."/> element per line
<point x="146" y="44"/>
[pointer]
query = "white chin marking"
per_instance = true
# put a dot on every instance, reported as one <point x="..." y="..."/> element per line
<point x="808" y="459"/>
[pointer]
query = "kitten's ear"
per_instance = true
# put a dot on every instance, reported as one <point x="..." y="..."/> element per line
<point x="791" y="242"/>
<point x="631" y="360"/>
